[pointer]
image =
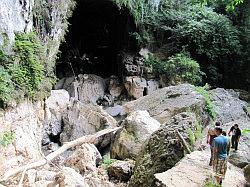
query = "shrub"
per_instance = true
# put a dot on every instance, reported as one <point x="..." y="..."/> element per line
<point x="178" y="68"/>
<point x="6" y="87"/>
<point x="6" y="138"/>
<point x="29" y="71"/>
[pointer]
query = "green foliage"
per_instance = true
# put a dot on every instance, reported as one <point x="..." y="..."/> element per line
<point x="6" y="87"/>
<point x="178" y="68"/>
<point x="29" y="72"/>
<point x="23" y="71"/>
<point x="191" y="136"/>
<point x="107" y="160"/>
<point x="208" y="101"/>
<point x="6" y="138"/>
<point x="230" y="4"/>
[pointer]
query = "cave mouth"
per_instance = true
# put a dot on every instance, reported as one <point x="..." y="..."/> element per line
<point x="98" y="33"/>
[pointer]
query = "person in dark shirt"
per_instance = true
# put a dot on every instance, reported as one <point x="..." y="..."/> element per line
<point x="221" y="147"/>
<point x="236" y="133"/>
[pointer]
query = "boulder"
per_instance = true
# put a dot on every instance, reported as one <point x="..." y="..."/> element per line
<point x="164" y="103"/>
<point x="163" y="149"/>
<point x="247" y="173"/>
<point x="194" y="171"/>
<point x="55" y="105"/>
<point x="137" y="128"/>
<point x="135" y="86"/>
<point x="115" y="110"/>
<point x="87" y="88"/>
<point x="121" y="170"/>
<point x="228" y="106"/>
<point x="82" y="119"/>
<point x="115" y="86"/>
<point x="152" y="85"/>
<point x="84" y="159"/>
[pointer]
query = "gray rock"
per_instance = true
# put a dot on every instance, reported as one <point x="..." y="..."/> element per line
<point x="135" y="86"/>
<point x="121" y="170"/>
<point x="164" y="103"/>
<point x="114" y="111"/>
<point x="193" y="170"/>
<point x="138" y="126"/>
<point x="163" y="149"/>
<point x="228" y="105"/>
<point x="84" y="159"/>
<point x="83" y="119"/>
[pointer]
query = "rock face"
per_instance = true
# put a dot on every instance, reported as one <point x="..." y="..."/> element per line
<point x="138" y="87"/>
<point x="82" y="119"/>
<point x="55" y="106"/>
<point x="121" y="170"/>
<point x="164" y="103"/>
<point x="87" y="88"/>
<point x="163" y="149"/>
<point x="193" y="170"/>
<point x="228" y="105"/>
<point x="115" y="87"/>
<point x="17" y="18"/>
<point x="84" y="159"/>
<point x="231" y="110"/>
<point x="25" y="124"/>
<point x="138" y="126"/>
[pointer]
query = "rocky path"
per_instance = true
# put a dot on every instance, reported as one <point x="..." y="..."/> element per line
<point x="193" y="171"/>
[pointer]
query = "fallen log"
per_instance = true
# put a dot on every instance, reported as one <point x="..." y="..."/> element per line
<point x="183" y="141"/>
<point x="50" y="157"/>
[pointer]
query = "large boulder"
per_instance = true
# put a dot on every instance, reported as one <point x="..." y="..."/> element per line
<point x="164" y="103"/>
<point x="87" y="88"/>
<point x="164" y="149"/>
<point x="121" y="170"/>
<point x="193" y="170"/>
<point x="137" y="128"/>
<point x="82" y="119"/>
<point x="115" y="87"/>
<point x="228" y="106"/>
<point x="135" y="86"/>
<point x="84" y="159"/>
<point x="55" y="106"/>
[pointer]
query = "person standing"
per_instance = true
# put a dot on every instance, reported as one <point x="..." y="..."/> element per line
<point x="221" y="148"/>
<point x="210" y="137"/>
<point x="236" y="133"/>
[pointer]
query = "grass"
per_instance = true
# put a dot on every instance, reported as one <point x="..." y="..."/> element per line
<point x="6" y="138"/>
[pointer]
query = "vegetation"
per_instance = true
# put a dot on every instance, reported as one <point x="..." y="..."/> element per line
<point x="6" y="138"/>
<point x="178" y="68"/>
<point x="213" y="37"/>
<point x="208" y="101"/>
<point x="23" y="71"/>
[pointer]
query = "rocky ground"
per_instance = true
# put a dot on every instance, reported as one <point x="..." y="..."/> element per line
<point x="145" y="151"/>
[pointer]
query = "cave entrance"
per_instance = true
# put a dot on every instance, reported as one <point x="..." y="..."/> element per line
<point x="98" y="32"/>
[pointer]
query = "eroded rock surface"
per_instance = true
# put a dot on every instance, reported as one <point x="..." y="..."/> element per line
<point x="163" y="149"/>
<point x="164" y="103"/>
<point x="193" y="170"/>
<point x="82" y="119"/>
<point x="138" y="126"/>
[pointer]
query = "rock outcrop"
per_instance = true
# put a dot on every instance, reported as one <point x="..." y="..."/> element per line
<point x="164" y="103"/>
<point x="194" y="171"/>
<point x="163" y="149"/>
<point x="121" y="170"/>
<point x="55" y="106"/>
<point x="21" y="127"/>
<point x="137" y="127"/>
<point x="82" y="119"/>
<point x="247" y="173"/>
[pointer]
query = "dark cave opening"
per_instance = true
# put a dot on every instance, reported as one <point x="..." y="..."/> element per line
<point x="98" y="33"/>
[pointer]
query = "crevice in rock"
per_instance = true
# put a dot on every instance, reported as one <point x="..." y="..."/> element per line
<point x="98" y="34"/>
